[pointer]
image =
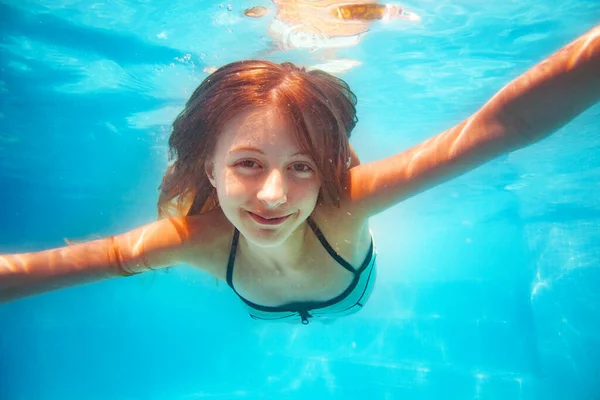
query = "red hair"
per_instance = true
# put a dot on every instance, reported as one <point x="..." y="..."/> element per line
<point x="319" y="106"/>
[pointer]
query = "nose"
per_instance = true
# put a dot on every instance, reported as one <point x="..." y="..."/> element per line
<point x="274" y="190"/>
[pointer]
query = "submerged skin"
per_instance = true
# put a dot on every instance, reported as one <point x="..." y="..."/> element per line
<point x="256" y="12"/>
<point x="317" y="17"/>
<point x="257" y="169"/>
<point x="326" y="19"/>
<point x="276" y="265"/>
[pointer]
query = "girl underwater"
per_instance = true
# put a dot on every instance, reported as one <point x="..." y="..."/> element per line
<point x="265" y="193"/>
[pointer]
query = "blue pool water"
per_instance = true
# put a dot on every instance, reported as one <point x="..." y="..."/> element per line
<point x="488" y="286"/>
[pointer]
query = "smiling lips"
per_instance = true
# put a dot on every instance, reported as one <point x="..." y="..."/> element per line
<point x="267" y="220"/>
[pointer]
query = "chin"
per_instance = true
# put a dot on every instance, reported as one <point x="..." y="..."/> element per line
<point x="271" y="236"/>
<point x="265" y="239"/>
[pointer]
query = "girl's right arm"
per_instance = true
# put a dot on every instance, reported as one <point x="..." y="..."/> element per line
<point x="159" y="244"/>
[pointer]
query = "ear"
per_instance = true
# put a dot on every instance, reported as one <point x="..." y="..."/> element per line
<point x="209" y="168"/>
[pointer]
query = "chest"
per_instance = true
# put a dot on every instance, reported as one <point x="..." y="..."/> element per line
<point x="318" y="276"/>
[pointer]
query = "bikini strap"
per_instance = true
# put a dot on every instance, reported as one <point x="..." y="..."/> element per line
<point x="318" y="233"/>
<point x="328" y="247"/>
<point x="232" y="253"/>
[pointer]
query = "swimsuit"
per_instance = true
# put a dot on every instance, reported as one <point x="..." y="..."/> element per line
<point x="348" y="302"/>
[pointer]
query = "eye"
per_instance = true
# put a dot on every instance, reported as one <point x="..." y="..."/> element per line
<point x="301" y="167"/>
<point x="247" y="164"/>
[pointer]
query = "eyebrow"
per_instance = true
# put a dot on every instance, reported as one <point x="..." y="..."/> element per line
<point x="254" y="149"/>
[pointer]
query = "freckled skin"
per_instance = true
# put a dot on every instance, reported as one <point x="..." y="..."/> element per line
<point x="255" y="169"/>
<point x="274" y="182"/>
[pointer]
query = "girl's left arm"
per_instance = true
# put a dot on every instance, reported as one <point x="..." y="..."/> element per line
<point x="528" y="109"/>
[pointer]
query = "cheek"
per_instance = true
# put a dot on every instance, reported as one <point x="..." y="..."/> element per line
<point x="315" y="188"/>
<point x="231" y="186"/>
<point x="308" y="191"/>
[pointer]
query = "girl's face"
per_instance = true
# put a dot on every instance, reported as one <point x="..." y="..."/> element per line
<point x="266" y="186"/>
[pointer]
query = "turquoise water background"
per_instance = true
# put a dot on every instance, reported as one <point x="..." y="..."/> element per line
<point x="488" y="286"/>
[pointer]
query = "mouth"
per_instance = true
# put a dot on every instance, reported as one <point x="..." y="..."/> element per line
<point x="267" y="219"/>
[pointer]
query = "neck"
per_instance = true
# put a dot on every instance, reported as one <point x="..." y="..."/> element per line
<point x="287" y="254"/>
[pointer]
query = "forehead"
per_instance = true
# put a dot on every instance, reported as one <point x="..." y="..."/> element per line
<point x="258" y="128"/>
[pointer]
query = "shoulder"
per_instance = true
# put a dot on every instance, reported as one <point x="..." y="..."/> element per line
<point x="209" y="241"/>
<point x="348" y="233"/>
